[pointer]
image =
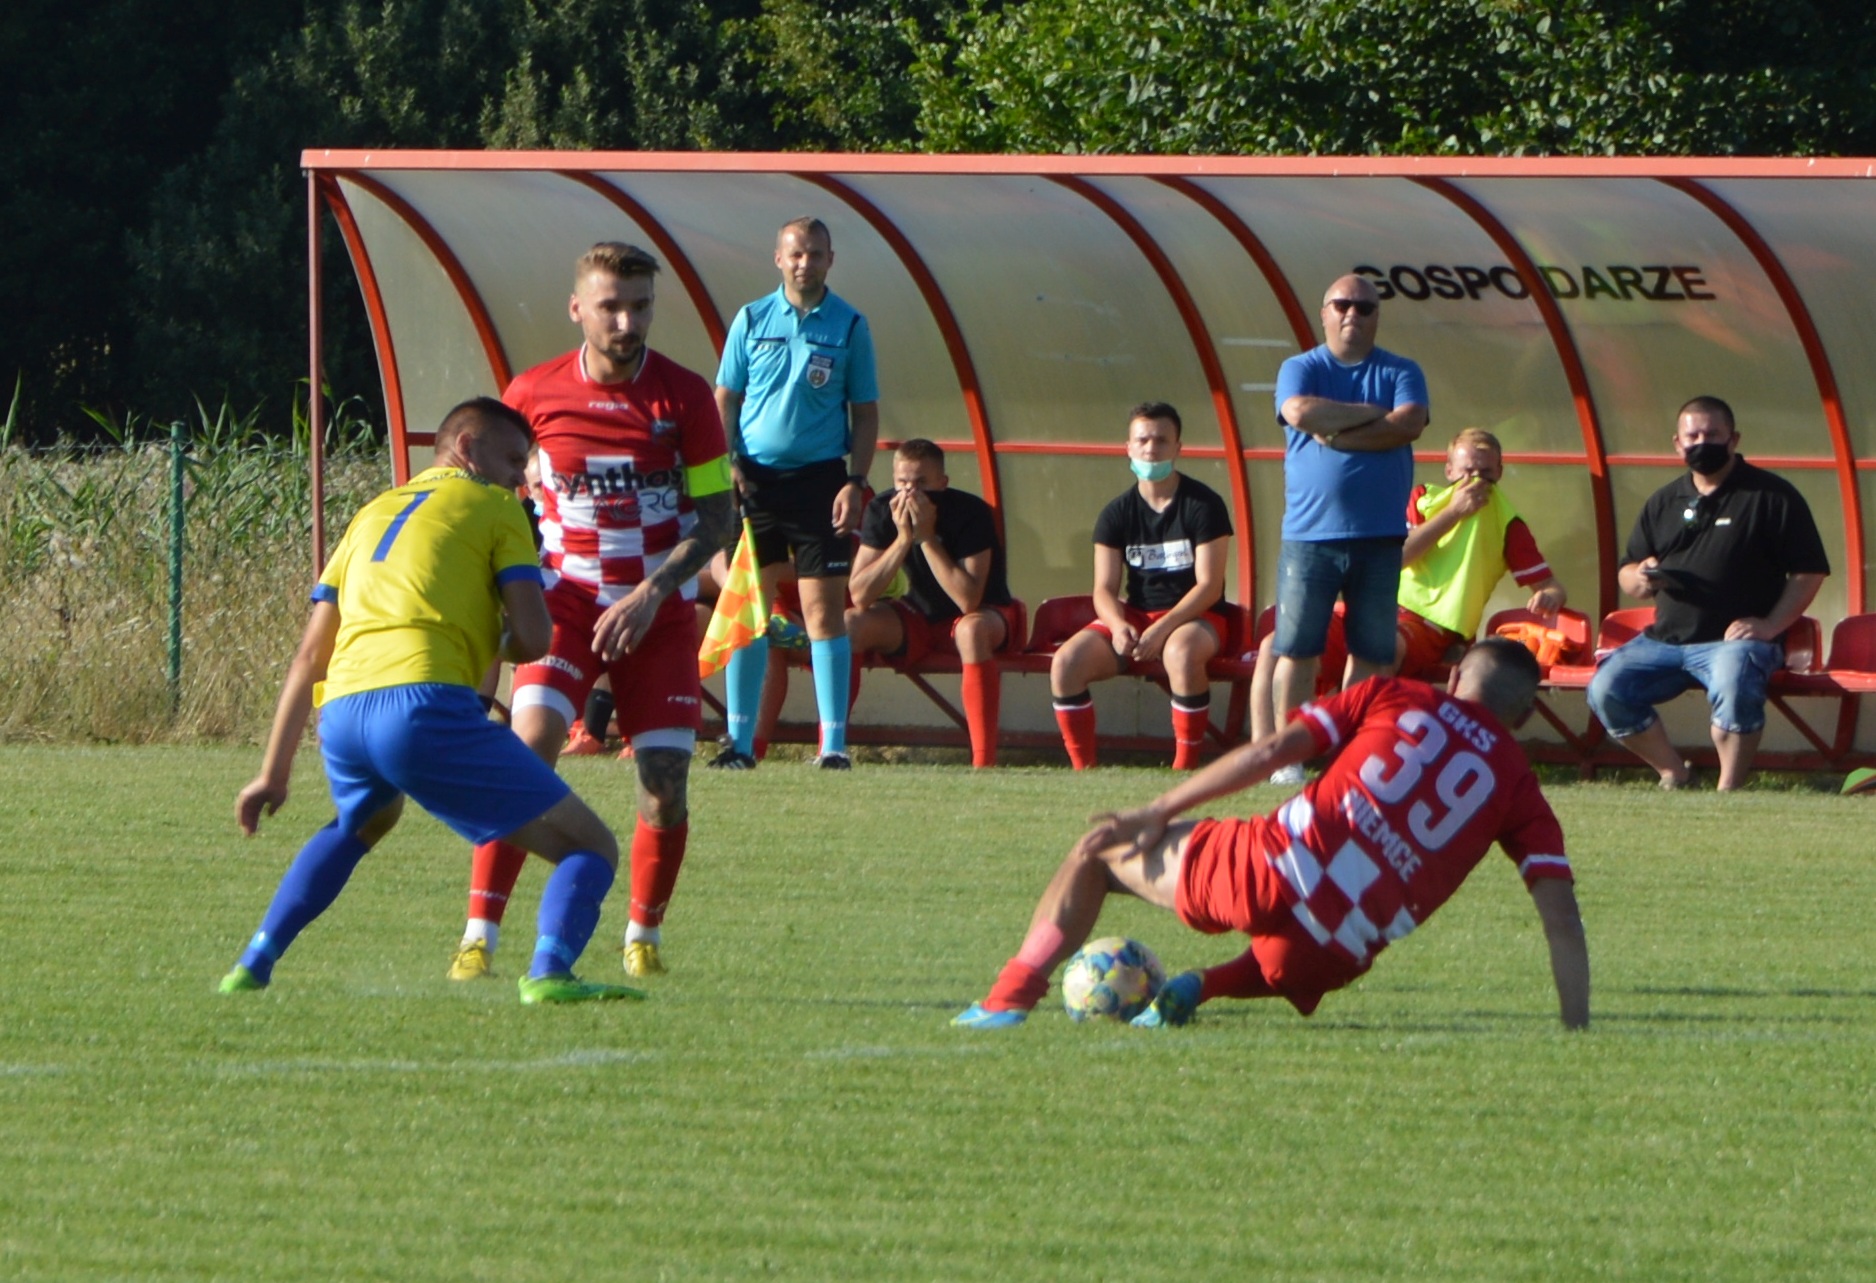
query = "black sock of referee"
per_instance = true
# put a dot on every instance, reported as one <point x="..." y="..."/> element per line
<point x="598" y="713"/>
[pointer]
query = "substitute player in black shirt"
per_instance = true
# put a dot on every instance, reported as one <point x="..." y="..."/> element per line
<point x="941" y="545"/>
<point x="1167" y="538"/>
<point x="1730" y="558"/>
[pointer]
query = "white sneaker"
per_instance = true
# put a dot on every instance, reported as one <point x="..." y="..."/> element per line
<point x="1289" y="776"/>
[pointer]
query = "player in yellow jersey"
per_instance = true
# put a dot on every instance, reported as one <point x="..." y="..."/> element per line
<point x="406" y="618"/>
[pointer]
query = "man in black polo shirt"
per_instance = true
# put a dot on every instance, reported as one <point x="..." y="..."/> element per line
<point x="942" y="545"/>
<point x="1730" y="558"/>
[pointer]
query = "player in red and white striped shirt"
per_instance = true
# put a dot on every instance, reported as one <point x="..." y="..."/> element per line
<point x="1423" y="782"/>
<point x="636" y="499"/>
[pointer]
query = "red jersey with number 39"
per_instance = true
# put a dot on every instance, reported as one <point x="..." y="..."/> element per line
<point x="1421" y="786"/>
<point x="613" y="463"/>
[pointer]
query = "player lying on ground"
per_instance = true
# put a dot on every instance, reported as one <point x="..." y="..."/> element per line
<point x="1422" y="783"/>
<point x="406" y="618"/>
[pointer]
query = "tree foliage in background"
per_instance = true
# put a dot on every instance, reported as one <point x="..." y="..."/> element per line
<point x="156" y="212"/>
<point x="1355" y="77"/>
<point x="98" y="102"/>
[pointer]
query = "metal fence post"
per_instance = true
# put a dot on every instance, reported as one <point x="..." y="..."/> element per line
<point x="175" y="564"/>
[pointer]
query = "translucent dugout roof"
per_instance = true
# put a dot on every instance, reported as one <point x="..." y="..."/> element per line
<point x="1021" y="305"/>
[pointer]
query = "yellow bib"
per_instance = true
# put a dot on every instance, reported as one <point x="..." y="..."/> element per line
<point x="1451" y="584"/>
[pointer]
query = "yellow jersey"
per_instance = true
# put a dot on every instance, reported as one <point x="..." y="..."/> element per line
<point x="417" y="582"/>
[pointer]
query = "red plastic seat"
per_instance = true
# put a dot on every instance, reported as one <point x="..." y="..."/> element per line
<point x="1058" y="619"/>
<point x="1618" y="626"/>
<point x="1804" y="643"/>
<point x="1852" y="664"/>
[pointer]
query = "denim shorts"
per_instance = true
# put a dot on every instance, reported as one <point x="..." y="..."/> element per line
<point x="1364" y="573"/>
<point x="1643" y="672"/>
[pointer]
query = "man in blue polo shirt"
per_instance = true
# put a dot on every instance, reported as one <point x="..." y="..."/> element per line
<point x="800" y="400"/>
<point x="1350" y="413"/>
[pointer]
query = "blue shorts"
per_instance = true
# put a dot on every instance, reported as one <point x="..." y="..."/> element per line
<point x="1364" y="573"/>
<point x="434" y="743"/>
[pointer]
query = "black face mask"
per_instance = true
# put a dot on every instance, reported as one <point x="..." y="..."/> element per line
<point x="1708" y="457"/>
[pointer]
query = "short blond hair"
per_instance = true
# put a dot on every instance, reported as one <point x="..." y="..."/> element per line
<point x="1473" y="436"/>
<point x="615" y="258"/>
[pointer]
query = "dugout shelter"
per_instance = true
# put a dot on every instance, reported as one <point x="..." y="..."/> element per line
<point x="1020" y="305"/>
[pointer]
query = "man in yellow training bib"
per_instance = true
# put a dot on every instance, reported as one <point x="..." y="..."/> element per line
<point x="1461" y="539"/>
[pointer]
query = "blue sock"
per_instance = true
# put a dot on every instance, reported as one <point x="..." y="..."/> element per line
<point x="742" y="687"/>
<point x="569" y="912"/>
<point x="312" y="882"/>
<point x="833" y="669"/>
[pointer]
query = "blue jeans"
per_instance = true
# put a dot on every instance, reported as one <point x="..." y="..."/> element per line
<point x="1644" y="672"/>
<point x="1365" y="573"/>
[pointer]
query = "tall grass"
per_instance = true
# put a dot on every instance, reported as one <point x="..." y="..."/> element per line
<point x="84" y="571"/>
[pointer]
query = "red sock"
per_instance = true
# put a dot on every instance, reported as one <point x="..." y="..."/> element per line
<point x="1189" y="727"/>
<point x="657" y="855"/>
<point x="1019" y="986"/>
<point x="492" y="874"/>
<point x="983" y="700"/>
<point x="1077" y="725"/>
<point x="1239" y="978"/>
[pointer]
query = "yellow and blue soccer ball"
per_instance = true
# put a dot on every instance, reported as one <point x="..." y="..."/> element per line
<point x="1113" y="977"/>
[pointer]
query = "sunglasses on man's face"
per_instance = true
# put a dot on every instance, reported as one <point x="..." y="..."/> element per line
<point x="1362" y="307"/>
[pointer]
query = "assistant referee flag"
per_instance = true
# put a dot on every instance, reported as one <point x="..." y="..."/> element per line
<point x="740" y="616"/>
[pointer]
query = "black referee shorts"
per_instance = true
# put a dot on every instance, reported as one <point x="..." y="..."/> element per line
<point x="791" y="511"/>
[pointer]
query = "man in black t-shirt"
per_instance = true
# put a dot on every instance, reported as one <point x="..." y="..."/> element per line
<point x="1167" y="537"/>
<point x="942" y="546"/>
<point x="1730" y="557"/>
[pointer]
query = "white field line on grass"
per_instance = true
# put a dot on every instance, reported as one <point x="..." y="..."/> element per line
<point x="580" y="1058"/>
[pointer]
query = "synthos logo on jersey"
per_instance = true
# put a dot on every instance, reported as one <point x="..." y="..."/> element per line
<point x="1616" y="282"/>
<point x="613" y="477"/>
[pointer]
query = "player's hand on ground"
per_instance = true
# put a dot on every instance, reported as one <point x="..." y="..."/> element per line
<point x="624" y="624"/>
<point x="262" y="797"/>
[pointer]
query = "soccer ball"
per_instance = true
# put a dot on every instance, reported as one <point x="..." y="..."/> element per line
<point x="1112" y="977"/>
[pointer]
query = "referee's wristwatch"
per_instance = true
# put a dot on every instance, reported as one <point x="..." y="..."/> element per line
<point x="857" y="479"/>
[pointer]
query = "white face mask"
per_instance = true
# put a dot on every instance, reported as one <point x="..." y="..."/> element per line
<point x="1151" y="471"/>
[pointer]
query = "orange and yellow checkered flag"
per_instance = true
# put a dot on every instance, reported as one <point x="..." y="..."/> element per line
<point x="740" y="616"/>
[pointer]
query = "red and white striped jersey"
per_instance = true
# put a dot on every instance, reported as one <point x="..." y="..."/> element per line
<point x="613" y="462"/>
<point x="1421" y="786"/>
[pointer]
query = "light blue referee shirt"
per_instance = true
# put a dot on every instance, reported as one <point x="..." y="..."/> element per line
<point x="797" y="374"/>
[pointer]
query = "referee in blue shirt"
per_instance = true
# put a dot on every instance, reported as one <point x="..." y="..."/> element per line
<point x="799" y="396"/>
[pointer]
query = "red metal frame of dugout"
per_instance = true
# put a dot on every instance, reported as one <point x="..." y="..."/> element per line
<point x="1438" y="174"/>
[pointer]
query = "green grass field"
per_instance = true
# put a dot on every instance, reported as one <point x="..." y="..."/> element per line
<point x="791" y="1103"/>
